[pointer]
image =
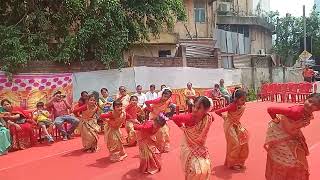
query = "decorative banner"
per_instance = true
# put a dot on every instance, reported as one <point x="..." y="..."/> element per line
<point x="25" y="90"/>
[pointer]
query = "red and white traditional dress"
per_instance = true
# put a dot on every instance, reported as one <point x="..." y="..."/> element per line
<point x="236" y="135"/>
<point x="132" y="112"/>
<point x="286" y="145"/>
<point x="113" y="136"/>
<point x="150" y="155"/>
<point x="162" y="136"/>
<point x="88" y="126"/>
<point x="194" y="156"/>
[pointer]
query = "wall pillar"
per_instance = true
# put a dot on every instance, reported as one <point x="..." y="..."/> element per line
<point x="253" y="73"/>
<point x="184" y="57"/>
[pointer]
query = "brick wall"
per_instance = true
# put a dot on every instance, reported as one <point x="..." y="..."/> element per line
<point x="157" y="61"/>
<point x="202" y="62"/>
<point x="53" y="67"/>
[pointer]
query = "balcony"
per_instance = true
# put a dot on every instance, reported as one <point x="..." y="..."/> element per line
<point x="245" y="20"/>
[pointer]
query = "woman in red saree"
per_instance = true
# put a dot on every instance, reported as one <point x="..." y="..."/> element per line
<point x="285" y="144"/>
<point x="194" y="153"/>
<point x="88" y="126"/>
<point x="21" y="126"/>
<point x="112" y="133"/>
<point x="236" y="135"/>
<point x="133" y="110"/>
<point x="150" y="155"/>
<point x="156" y="107"/>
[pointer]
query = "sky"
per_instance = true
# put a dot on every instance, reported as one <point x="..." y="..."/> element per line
<point x="293" y="7"/>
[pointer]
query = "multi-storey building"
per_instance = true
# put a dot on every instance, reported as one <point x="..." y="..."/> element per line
<point x="230" y="27"/>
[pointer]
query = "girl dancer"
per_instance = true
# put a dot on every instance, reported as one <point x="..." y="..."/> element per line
<point x="236" y="135"/>
<point x="156" y="107"/>
<point x="133" y="110"/>
<point x="194" y="153"/>
<point x="88" y="126"/>
<point x="112" y="133"/>
<point x="285" y="143"/>
<point x="149" y="153"/>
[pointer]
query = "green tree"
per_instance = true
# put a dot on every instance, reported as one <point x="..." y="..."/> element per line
<point x="77" y="30"/>
<point x="289" y="32"/>
<point x="313" y="31"/>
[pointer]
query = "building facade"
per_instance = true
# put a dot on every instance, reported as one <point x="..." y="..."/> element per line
<point x="211" y="26"/>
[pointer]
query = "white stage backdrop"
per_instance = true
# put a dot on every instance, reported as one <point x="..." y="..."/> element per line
<point x="110" y="79"/>
<point x="174" y="77"/>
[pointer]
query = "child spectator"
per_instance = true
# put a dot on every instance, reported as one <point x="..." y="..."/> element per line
<point x="42" y="117"/>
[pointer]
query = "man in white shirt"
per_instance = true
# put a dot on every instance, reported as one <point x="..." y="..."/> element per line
<point x="141" y="96"/>
<point x="161" y="90"/>
<point x="151" y="95"/>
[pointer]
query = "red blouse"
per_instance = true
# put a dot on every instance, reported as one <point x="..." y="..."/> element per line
<point x="231" y="107"/>
<point x="155" y="101"/>
<point x="185" y="119"/>
<point x="80" y="109"/>
<point x="294" y="112"/>
<point x="133" y="111"/>
<point x="147" y="128"/>
<point x="110" y="114"/>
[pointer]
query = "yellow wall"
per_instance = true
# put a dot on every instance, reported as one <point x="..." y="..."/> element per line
<point x="204" y="30"/>
<point x="149" y="50"/>
<point x="164" y="38"/>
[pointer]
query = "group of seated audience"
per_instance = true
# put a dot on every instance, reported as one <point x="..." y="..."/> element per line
<point x="220" y="92"/>
<point x="17" y="125"/>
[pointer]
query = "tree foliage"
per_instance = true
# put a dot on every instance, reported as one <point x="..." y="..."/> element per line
<point x="77" y="30"/>
<point x="289" y="32"/>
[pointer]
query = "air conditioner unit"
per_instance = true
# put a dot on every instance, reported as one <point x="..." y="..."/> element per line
<point x="262" y="51"/>
<point x="224" y="7"/>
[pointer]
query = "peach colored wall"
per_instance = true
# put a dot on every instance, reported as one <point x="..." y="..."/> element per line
<point x="204" y="29"/>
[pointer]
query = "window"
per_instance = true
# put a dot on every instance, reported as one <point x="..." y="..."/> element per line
<point x="164" y="53"/>
<point x="199" y="11"/>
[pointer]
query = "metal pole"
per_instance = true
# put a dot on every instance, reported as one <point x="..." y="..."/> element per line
<point x="304" y="28"/>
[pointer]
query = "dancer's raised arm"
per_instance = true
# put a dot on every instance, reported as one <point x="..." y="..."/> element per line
<point x="232" y="107"/>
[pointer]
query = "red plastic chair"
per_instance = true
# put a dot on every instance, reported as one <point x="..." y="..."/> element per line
<point x="175" y="98"/>
<point x="273" y="90"/>
<point x="51" y="130"/>
<point x="315" y="87"/>
<point x="282" y="93"/>
<point x="305" y="89"/>
<point x="263" y="94"/>
<point x="208" y="93"/>
<point x="218" y="103"/>
<point x="292" y="93"/>
<point x="185" y="106"/>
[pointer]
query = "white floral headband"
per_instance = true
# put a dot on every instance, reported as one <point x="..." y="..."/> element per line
<point x="167" y="88"/>
<point x="211" y="103"/>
